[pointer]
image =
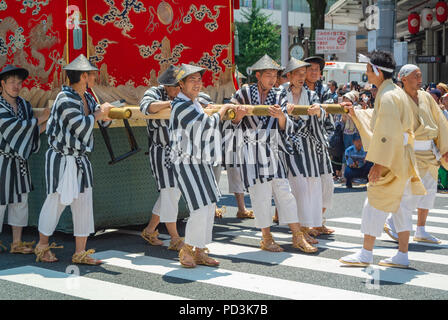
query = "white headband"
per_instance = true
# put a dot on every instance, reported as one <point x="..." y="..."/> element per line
<point x="362" y="58"/>
<point x="406" y="70"/>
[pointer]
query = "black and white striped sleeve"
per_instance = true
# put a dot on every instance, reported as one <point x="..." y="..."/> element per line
<point x="19" y="135"/>
<point x="79" y="127"/>
<point x="151" y="95"/>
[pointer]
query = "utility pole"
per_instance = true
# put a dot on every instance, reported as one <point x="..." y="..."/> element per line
<point x="285" y="34"/>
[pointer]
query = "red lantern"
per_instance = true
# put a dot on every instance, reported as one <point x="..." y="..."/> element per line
<point x="441" y="11"/>
<point x="413" y="23"/>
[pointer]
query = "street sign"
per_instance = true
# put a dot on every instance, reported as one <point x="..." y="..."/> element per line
<point x="331" y="41"/>
<point x="430" y="59"/>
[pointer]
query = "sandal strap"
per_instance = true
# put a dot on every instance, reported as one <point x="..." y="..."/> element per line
<point x="299" y="242"/>
<point x="83" y="257"/>
<point x="201" y="256"/>
<point x="2" y="246"/>
<point x="21" y="246"/>
<point x="41" y="252"/>
<point x="174" y="244"/>
<point x="186" y="249"/>
<point x="150" y="236"/>
<point x="269" y="244"/>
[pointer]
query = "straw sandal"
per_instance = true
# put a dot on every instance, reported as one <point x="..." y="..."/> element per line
<point x="83" y="257"/>
<point x="187" y="256"/>
<point x="151" y="237"/>
<point x="2" y="248"/>
<point x="176" y="244"/>
<point x="308" y="237"/>
<point x="201" y="257"/>
<point x="219" y="212"/>
<point x="45" y="255"/>
<point x="246" y="214"/>
<point x="22" y="247"/>
<point x="299" y="242"/>
<point x="269" y="244"/>
<point x="324" y="230"/>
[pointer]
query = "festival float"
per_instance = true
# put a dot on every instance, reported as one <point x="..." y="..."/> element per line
<point x="132" y="42"/>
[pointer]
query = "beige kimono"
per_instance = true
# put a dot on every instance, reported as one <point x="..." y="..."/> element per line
<point x="387" y="133"/>
<point x="432" y="125"/>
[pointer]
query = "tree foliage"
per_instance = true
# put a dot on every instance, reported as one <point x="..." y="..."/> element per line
<point x="257" y="37"/>
<point x="317" y="11"/>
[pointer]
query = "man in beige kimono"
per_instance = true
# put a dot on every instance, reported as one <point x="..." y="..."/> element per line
<point x="387" y="134"/>
<point x="431" y="142"/>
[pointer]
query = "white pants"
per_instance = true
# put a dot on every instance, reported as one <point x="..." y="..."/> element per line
<point x="327" y="190"/>
<point x="261" y="200"/>
<point x="373" y="219"/>
<point x="167" y="205"/>
<point x="17" y="213"/>
<point x="217" y="172"/>
<point x="82" y="214"/>
<point x="199" y="228"/>
<point x="308" y="194"/>
<point x="234" y="179"/>
<point x="427" y="201"/>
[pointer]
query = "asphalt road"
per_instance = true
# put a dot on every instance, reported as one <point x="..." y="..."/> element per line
<point x="135" y="270"/>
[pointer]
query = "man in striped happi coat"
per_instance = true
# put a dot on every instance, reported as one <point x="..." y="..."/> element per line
<point x="305" y="164"/>
<point x="260" y="155"/>
<point x="68" y="171"/>
<point x="195" y="140"/>
<point x="19" y="138"/>
<point x="165" y="210"/>
<point x="313" y="83"/>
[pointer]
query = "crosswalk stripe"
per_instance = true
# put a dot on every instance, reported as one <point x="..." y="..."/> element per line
<point x="441" y="195"/>
<point x="78" y="286"/>
<point x="351" y="220"/>
<point x="439" y="211"/>
<point x="310" y="262"/>
<point x="228" y="278"/>
<point x="432" y="218"/>
<point x="384" y="237"/>
<point x="344" y="246"/>
<point x="407" y="276"/>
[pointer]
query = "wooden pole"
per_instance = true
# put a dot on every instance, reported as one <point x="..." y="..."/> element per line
<point x="133" y="112"/>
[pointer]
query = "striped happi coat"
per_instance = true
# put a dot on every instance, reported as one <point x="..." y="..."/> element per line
<point x="260" y="144"/>
<point x="309" y="140"/>
<point x="195" y="141"/>
<point x="19" y="138"/>
<point x="70" y="132"/>
<point x="159" y="140"/>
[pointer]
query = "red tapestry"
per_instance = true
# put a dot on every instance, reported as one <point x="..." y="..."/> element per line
<point x="130" y="41"/>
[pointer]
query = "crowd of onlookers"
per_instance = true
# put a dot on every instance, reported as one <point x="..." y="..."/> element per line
<point x="346" y="148"/>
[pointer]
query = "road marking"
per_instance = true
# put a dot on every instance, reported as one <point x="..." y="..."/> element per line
<point x="343" y="246"/>
<point x="228" y="278"/>
<point x="78" y="286"/>
<point x="357" y="221"/>
<point x="439" y="211"/>
<point x="299" y="260"/>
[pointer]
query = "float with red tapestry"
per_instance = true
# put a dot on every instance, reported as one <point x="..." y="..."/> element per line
<point x="131" y="42"/>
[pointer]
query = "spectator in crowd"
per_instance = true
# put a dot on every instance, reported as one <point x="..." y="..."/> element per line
<point x="357" y="167"/>
<point x="442" y="87"/>
<point x="364" y="100"/>
<point x="444" y="105"/>
<point x="336" y="148"/>
<point x="349" y="129"/>
<point x="355" y="86"/>
<point x="373" y="91"/>
<point x="332" y="89"/>
<point x="436" y="94"/>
